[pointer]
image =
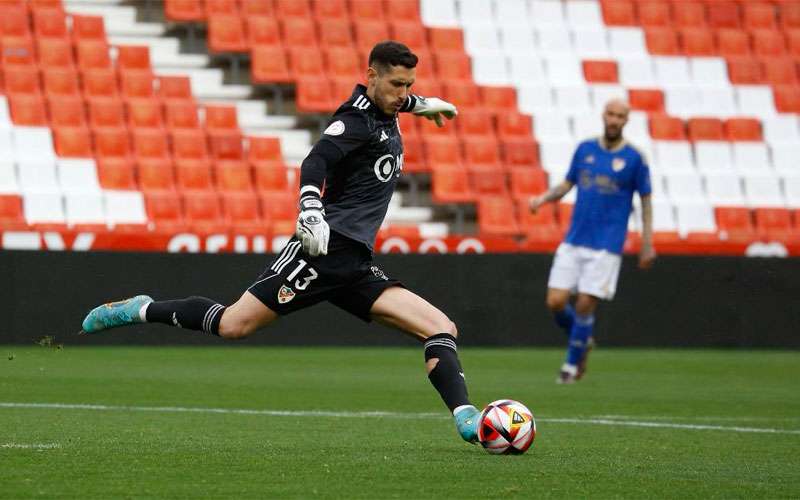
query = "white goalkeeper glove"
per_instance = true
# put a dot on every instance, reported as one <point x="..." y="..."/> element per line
<point x="312" y="230"/>
<point x="434" y="108"/>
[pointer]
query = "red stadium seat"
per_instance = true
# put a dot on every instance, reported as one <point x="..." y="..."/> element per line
<point x="793" y="43"/>
<point x="488" y="181"/>
<point x="733" y="43"/>
<point x="269" y="65"/>
<point x="441" y="150"/>
<point x="233" y="176"/>
<point x="220" y="118"/>
<point x="257" y="8"/>
<point x="117" y="175"/>
<point x="175" y="88"/>
<point x="145" y="113"/>
<point x="112" y="142"/>
<point x="697" y="42"/>
<point x="414" y="155"/>
<point x="463" y="95"/>
<point x="667" y="128"/>
<point x="184" y="10"/>
<point x="137" y="84"/>
<point x="150" y="145"/>
<point x="14" y="22"/>
<point x="67" y="112"/>
<point x="11" y="213"/>
<point x="743" y="129"/>
<point x="226" y="34"/>
<point x="496" y="217"/>
<point x="768" y="43"/>
<point x="241" y="211"/>
<point x="61" y="82"/>
<point x="662" y="41"/>
<point x="705" y="129"/>
<point x="446" y="40"/>
<point x="499" y="100"/>
<point x="565" y="215"/>
<point x="723" y="14"/>
<point x="511" y="125"/>
<point x="264" y="151"/>
<point x="73" y="142"/>
<point x="133" y="57"/>
<point x="545" y="216"/>
<point x="780" y="71"/>
<point x="182" y="115"/>
<point x="226" y="146"/>
<point x="745" y="70"/>
<point x="221" y="8"/>
<point x="292" y="8"/>
<point x="271" y="178"/>
<point x="366" y="10"/>
<point x="306" y="63"/>
<point x="156" y="176"/>
<point x="299" y="32"/>
<point x="475" y="124"/>
<point x="787" y="98"/>
<point x="331" y="9"/>
<point x="412" y="34"/>
<point x="521" y="152"/>
<point x="93" y="54"/>
<point x="280" y="209"/>
<point x="106" y="112"/>
<point x="689" y="15"/>
<point x="28" y="110"/>
<point x="649" y="100"/>
<point x="790" y="15"/>
<point x="193" y="175"/>
<point x="450" y="184"/>
<point x="618" y="12"/>
<point x="203" y="211"/>
<point x="368" y="33"/>
<point x="773" y="221"/>
<point x="164" y="211"/>
<point x="600" y="71"/>
<point x="759" y="15"/>
<point x="22" y="80"/>
<point x="18" y="52"/>
<point x="88" y="28"/>
<point x="189" y="147"/>
<point x="100" y="83"/>
<point x="344" y="63"/>
<point x="452" y="66"/>
<point x="527" y="182"/>
<point x="735" y="221"/>
<point x="403" y="10"/>
<point x="55" y="52"/>
<point x="50" y="23"/>
<point x="654" y="13"/>
<point x="335" y="33"/>
<point x="263" y="30"/>
<point x="482" y="153"/>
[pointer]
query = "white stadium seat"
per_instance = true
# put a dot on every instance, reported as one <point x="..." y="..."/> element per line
<point x="550" y="40"/>
<point x="636" y="72"/>
<point x="763" y="190"/>
<point x="556" y="155"/>
<point x="475" y="11"/>
<point x="583" y="14"/>
<point x="685" y="186"/>
<point x="510" y="10"/>
<point x="84" y="208"/>
<point x="587" y="125"/>
<point x="480" y="38"/>
<point x="564" y="71"/>
<point x="751" y="156"/>
<point x="489" y="68"/>
<point x="713" y="155"/>
<point x="5" y="117"/>
<point x="695" y="217"/>
<point x="517" y="38"/>
<point x="637" y="129"/>
<point x="573" y="99"/>
<point x="552" y="127"/>
<point x="663" y="215"/>
<point x="591" y="43"/>
<point x="724" y="189"/>
<point x="791" y="190"/>
<point x="672" y="70"/>
<point x="6" y="142"/>
<point x="77" y="176"/>
<point x="672" y="155"/>
<point x="526" y="70"/>
<point x="783" y="128"/>
<point x="626" y="42"/>
<point x="124" y="207"/>
<point x="43" y="207"/>
<point x="547" y="13"/>
<point x="532" y="99"/>
<point x="8" y="177"/>
<point x="755" y="100"/>
<point x="786" y="157"/>
<point x="441" y="13"/>
<point x="602" y="93"/>
<point x="37" y="176"/>
<point x="717" y="101"/>
<point x="709" y="71"/>
<point x="34" y="143"/>
<point x="682" y="101"/>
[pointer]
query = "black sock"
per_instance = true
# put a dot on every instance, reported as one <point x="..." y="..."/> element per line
<point x="194" y="313"/>
<point x="447" y="377"/>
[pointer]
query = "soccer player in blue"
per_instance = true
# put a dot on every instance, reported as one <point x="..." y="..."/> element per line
<point x="607" y="170"/>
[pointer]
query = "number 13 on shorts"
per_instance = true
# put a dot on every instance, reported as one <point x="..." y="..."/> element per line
<point x="304" y="280"/>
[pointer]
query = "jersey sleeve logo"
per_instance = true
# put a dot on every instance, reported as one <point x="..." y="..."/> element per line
<point x="335" y="128"/>
<point x="618" y="164"/>
<point x="361" y="103"/>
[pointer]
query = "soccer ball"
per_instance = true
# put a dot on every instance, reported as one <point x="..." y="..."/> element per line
<point x="506" y="427"/>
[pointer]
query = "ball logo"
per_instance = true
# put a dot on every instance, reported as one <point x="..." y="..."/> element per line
<point x="335" y="128"/>
<point x="386" y="167"/>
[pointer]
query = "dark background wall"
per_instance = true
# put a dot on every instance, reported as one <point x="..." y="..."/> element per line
<point x="495" y="299"/>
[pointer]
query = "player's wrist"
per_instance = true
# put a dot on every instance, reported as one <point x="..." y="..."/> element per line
<point x="310" y="200"/>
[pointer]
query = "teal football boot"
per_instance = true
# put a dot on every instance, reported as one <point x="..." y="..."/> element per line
<point x="114" y="314"/>
<point x="467" y="423"/>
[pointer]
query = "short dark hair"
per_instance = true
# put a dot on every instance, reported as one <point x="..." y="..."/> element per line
<point x="391" y="53"/>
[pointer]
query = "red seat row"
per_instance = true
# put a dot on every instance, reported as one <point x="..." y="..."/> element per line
<point x="772" y="223"/>
<point x="663" y="127"/>
<point x="723" y="42"/>
<point x="364" y="10"/>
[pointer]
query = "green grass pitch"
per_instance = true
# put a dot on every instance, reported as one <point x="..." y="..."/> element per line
<point x="174" y="423"/>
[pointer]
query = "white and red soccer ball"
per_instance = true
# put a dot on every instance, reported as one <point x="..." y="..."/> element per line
<point x="506" y="427"/>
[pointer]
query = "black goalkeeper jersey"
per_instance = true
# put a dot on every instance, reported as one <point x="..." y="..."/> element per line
<point x="358" y="188"/>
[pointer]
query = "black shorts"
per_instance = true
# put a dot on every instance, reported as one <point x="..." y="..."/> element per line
<point x="346" y="277"/>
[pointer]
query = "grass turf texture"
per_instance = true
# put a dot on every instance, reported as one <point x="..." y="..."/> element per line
<point x="132" y="453"/>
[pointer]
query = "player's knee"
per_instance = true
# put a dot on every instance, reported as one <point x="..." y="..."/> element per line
<point x="232" y="328"/>
<point x="449" y="327"/>
<point x="556" y="302"/>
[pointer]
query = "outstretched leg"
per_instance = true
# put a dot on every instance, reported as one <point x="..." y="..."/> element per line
<point x="402" y="309"/>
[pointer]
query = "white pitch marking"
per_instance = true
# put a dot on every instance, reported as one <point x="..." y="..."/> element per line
<point x="31" y="446"/>
<point x="389" y="414"/>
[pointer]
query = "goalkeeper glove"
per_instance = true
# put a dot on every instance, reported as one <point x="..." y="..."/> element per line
<point x="434" y="108"/>
<point x="312" y="230"/>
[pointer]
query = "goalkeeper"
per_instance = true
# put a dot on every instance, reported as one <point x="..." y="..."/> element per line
<point x="357" y="161"/>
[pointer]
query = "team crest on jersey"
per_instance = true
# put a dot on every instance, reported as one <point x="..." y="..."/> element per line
<point x="335" y="128"/>
<point x="618" y="164"/>
<point x="589" y="159"/>
<point x="285" y="294"/>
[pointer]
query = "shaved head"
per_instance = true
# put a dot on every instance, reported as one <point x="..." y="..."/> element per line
<point x="615" y="116"/>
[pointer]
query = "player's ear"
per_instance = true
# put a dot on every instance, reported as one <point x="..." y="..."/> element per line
<point x="372" y="74"/>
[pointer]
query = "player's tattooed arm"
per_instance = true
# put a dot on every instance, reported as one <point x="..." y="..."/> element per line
<point x="647" y="254"/>
<point x="554" y="194"/>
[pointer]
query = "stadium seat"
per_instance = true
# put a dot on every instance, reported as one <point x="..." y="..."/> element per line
<point x="269" y="65"/>
<point x="93" y="54"/>
<point x="724" y="189"/>
<point x="226" y="146"/>
<point x="233" y="176"/>
<point x="749" y="155"/>
<point x="446" y="40"/>
<point x="182" y="115"/>
<point x="11" y="214"/>
<point x="292" y="8"/>
<point x="366" y="10"/>
<point x="654" y="13"/>
<point x="22" y="80"/>
<point x="793" y="42"/>
<point x="412" y="34"/>
<point x="77" y="175"/>
<point x="118" y="175"/>
<point x="189" y="146"/>
<point x="335" y="33"/>
<point x="673" y="154"/>
<point x="14" y="22"/>
<point x="280" y="209"/>
<point x="481" y="153"/>
<point x="263" y="31"/>
<point x="50" y="24"/>
<point x="772" y="221"/>
<point x="414" y="155"/>
<point x="450" y="184"/>
<point x="299" y="32"/>
<point x="174" y="88"/>
<point x="495" y="216"/>
<point x="755" y="100"/>
<point x="732" y="43"/>
<point x="251" y="8"/>
<point x="723" y="14"/>
<point x="150" y="145"/>
<point x="713" y="155"/>
<point x="785" y="156"/>
<point x="762" y="189"/>
<point x="600" y="71"/>
<point x="73" y="142"/>
<point x="100" y="83"/>
<point x="145" y="113"/>
<point x="618" y="12"/>
<point x="464" y="95"/>
<point x="241" y="212"/>
<point x="106" y="112"/>
<point x="44" y="207"/>
<point x="637" y="72"/>
<point x="164" y="210"/>
<point x="55" y="52"/>
<point x="648" y="100"/>
<point x="221" y="7"/>
<point x="499" y="99"/>
<point x="60" y="82"/>
<point x="193" y="173"/>
<point x="697" y="42"/>
<point x="510" y="125"/>
<point x="184" y="10"/>
<point x="220" y="118"/>
<point x="477" y="124"/>
<point x="368" y="33"/>
<point x="488" y="181"/>
<point x="271" y="177"/>
<point x="745" y="70"/>
<point x="226" y="34"/>
<point x="662" y="41"/>
<point x="759" y="15"/>
<point x="133" y="57"/>
<point x="403" y="10"/>
<point x="18" y="52"/>
<point x="666" y="128"/>
<point x="343" y="63"/>
<point x="314" y="96"/>
<point x="695" y="217"/>
<point x="67" y="112"/>
<point x="743" y="129"/>
<point x="442" y="150"/>
<point x="37" y="175"/>
<point x="527" y="182"/>
<point x="264" y="151"/>
<point x="522" y="152"/>
<point x="780" y="71"/>
<point x="787" y="98"/>
<point x="583" y="14"/>
<point x="134" y="84"/>
<point x="735" y="221"/>
<point x="705" y="129"/>
<point x="453" y="66"/>
<point x="156" y="176"/>
<point x="684" y="186"/>
<point x="768" y="43"/>
<point x="331" y="9"/>
<point x="306" y="63"/>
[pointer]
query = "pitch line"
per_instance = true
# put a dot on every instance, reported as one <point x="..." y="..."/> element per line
<point x="390" y="414"/>
<point x="30" y="446"/>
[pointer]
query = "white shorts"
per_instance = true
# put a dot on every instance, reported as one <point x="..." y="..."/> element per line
<point x="585" y="270"/>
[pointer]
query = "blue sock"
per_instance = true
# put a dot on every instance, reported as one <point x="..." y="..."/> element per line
<point x="565" y="318"/>
<point x="581" y="331"/>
